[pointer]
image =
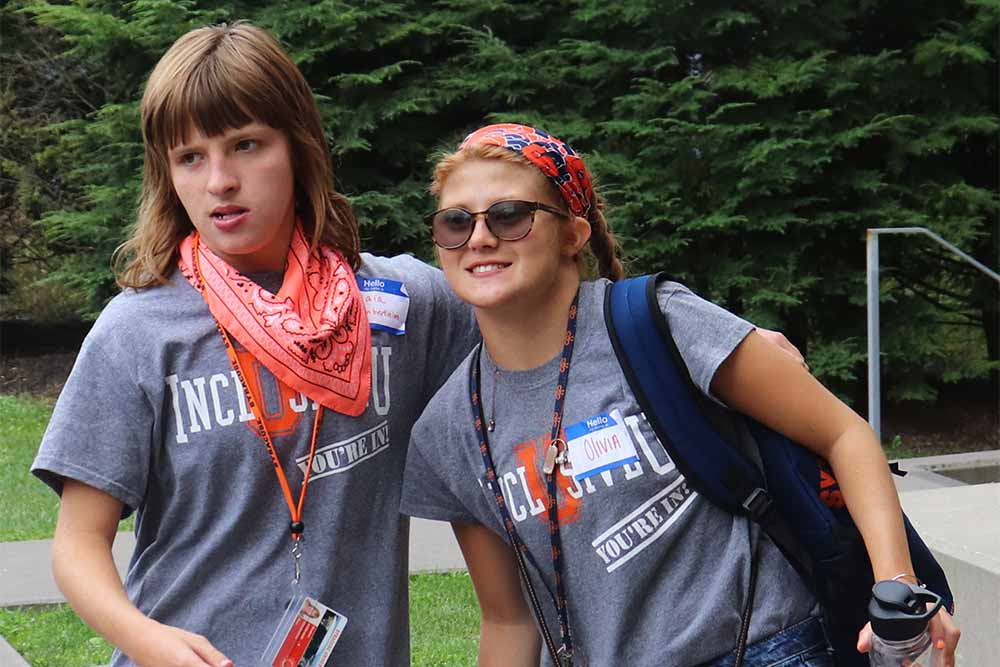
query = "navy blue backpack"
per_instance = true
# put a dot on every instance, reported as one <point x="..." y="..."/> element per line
<point x="748" y="469"/>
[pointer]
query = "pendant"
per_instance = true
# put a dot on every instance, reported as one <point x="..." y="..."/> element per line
<point x="491" y="425"/>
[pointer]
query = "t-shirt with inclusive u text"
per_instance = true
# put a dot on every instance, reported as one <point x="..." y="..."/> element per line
<point x="654" y="573"/>
<point x="153" y="415"/>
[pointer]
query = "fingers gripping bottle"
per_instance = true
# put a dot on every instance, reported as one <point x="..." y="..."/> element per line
<point x="899" y="614"/>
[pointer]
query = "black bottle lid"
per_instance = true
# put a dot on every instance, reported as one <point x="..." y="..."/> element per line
<point x="899" y="611"/>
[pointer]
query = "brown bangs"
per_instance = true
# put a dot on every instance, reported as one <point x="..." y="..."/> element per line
<point x="213" y="84"/>
<point x="219" y="78"/>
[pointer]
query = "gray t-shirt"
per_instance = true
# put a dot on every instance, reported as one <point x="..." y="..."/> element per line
<point x="654" y="573"/>
<point x="152" y="414"/>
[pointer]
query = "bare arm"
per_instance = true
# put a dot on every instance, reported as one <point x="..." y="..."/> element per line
<point x="507" y="636"/>
<point x="765" y="383"/>
<point x="85" y="572"/>
<point x="778" y="338"/>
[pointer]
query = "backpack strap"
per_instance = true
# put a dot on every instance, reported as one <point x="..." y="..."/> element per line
<point x="698" y="435"/>
<point x="704" y="441"/>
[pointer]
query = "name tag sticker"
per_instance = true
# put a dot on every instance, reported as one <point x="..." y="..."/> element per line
<point x="386" y="303"/>
<point x="599" y="443"/>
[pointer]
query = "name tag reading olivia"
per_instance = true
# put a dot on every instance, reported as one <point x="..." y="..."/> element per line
<point x="599" y="443"/>
<point x="386" y="303"/>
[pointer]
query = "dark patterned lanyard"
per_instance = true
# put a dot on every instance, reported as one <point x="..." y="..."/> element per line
<point x="554" y="453"/>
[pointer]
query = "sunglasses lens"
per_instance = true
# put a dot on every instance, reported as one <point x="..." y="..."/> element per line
<point x="451" y="227"/>
<point x="507" y="220"/>
<point x="510" y="220"/>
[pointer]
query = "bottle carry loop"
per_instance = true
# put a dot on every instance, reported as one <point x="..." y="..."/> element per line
<point x="900" y="611"/>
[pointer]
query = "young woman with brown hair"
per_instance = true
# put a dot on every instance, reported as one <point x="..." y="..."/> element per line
<point x="250" y="392"/>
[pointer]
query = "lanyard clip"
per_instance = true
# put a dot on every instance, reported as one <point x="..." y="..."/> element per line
<point x="565" y="656"/>
<point x="554" y="455"/>
<point x="296" y="557"/>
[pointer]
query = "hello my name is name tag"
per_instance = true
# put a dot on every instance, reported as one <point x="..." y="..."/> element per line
<point x="599" y="443"/>
<point x="386" y="303"/>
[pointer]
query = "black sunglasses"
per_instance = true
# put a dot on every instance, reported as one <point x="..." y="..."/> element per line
<point x="508" y="220"/>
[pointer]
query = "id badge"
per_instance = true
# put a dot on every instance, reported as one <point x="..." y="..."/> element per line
<point x="305" y="636"/>
<point x="599" y="443"/>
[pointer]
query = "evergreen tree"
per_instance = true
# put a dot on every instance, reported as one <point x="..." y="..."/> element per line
<point x="743" y="148"/>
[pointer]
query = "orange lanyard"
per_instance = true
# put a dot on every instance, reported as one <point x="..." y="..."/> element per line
<point x="296" y="526"/>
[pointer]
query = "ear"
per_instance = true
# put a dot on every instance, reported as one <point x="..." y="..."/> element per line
<point x="576" y="234"/>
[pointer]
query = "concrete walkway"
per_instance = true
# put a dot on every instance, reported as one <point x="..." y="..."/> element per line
<point x="9" y="657"/>
<point x="26" y="567"/>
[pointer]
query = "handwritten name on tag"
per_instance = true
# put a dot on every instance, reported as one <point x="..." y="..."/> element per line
<point x="599" y="443"/>
<point x="386" y="303"/>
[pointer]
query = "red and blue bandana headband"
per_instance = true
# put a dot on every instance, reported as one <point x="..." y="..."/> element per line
<point x="555" y="159"/>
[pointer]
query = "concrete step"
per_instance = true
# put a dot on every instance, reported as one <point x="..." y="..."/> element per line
<point x="961" y="525"/>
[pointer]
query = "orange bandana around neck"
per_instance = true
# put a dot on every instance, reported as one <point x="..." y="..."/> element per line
<point x="312" y="335"/>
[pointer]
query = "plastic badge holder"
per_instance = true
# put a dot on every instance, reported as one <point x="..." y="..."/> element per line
<point x="305" y="636"/>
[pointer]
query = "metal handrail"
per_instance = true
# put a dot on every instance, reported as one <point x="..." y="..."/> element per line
<point x="874" y="380"/>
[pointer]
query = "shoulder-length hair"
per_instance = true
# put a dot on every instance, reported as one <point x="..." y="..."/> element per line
<point x="214" y="79"/>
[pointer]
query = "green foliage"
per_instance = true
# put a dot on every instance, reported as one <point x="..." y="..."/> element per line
<point x="896" y="449"/>
<point x="744" y="150"/>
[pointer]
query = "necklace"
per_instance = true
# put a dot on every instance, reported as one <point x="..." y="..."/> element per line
<point x="492" y="424"/>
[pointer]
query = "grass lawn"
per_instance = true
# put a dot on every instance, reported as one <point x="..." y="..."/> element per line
<point x="52" y="637"/>
<point x="443" y="611"/>
<point x="27" y="508"/>
<point x="444" y="626"/>
<point x="444" y="620"/>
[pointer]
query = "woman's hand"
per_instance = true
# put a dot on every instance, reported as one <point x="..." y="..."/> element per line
<point x="86" y="574"/>
<point x="944" y="636"/>
<point x="167" y="646"/>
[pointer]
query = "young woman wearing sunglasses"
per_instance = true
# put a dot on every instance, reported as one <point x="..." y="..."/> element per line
<point x="630" y="565"/>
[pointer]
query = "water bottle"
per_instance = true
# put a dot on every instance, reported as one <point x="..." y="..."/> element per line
<point x="899" y="614"/>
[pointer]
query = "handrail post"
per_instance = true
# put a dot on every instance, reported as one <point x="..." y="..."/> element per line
<point x="874" y="384"/>
<point x="874" y="379"/>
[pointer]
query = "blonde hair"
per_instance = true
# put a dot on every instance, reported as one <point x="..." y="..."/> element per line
<point x="218" y="78"/>
<point x="602" y="257"/>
